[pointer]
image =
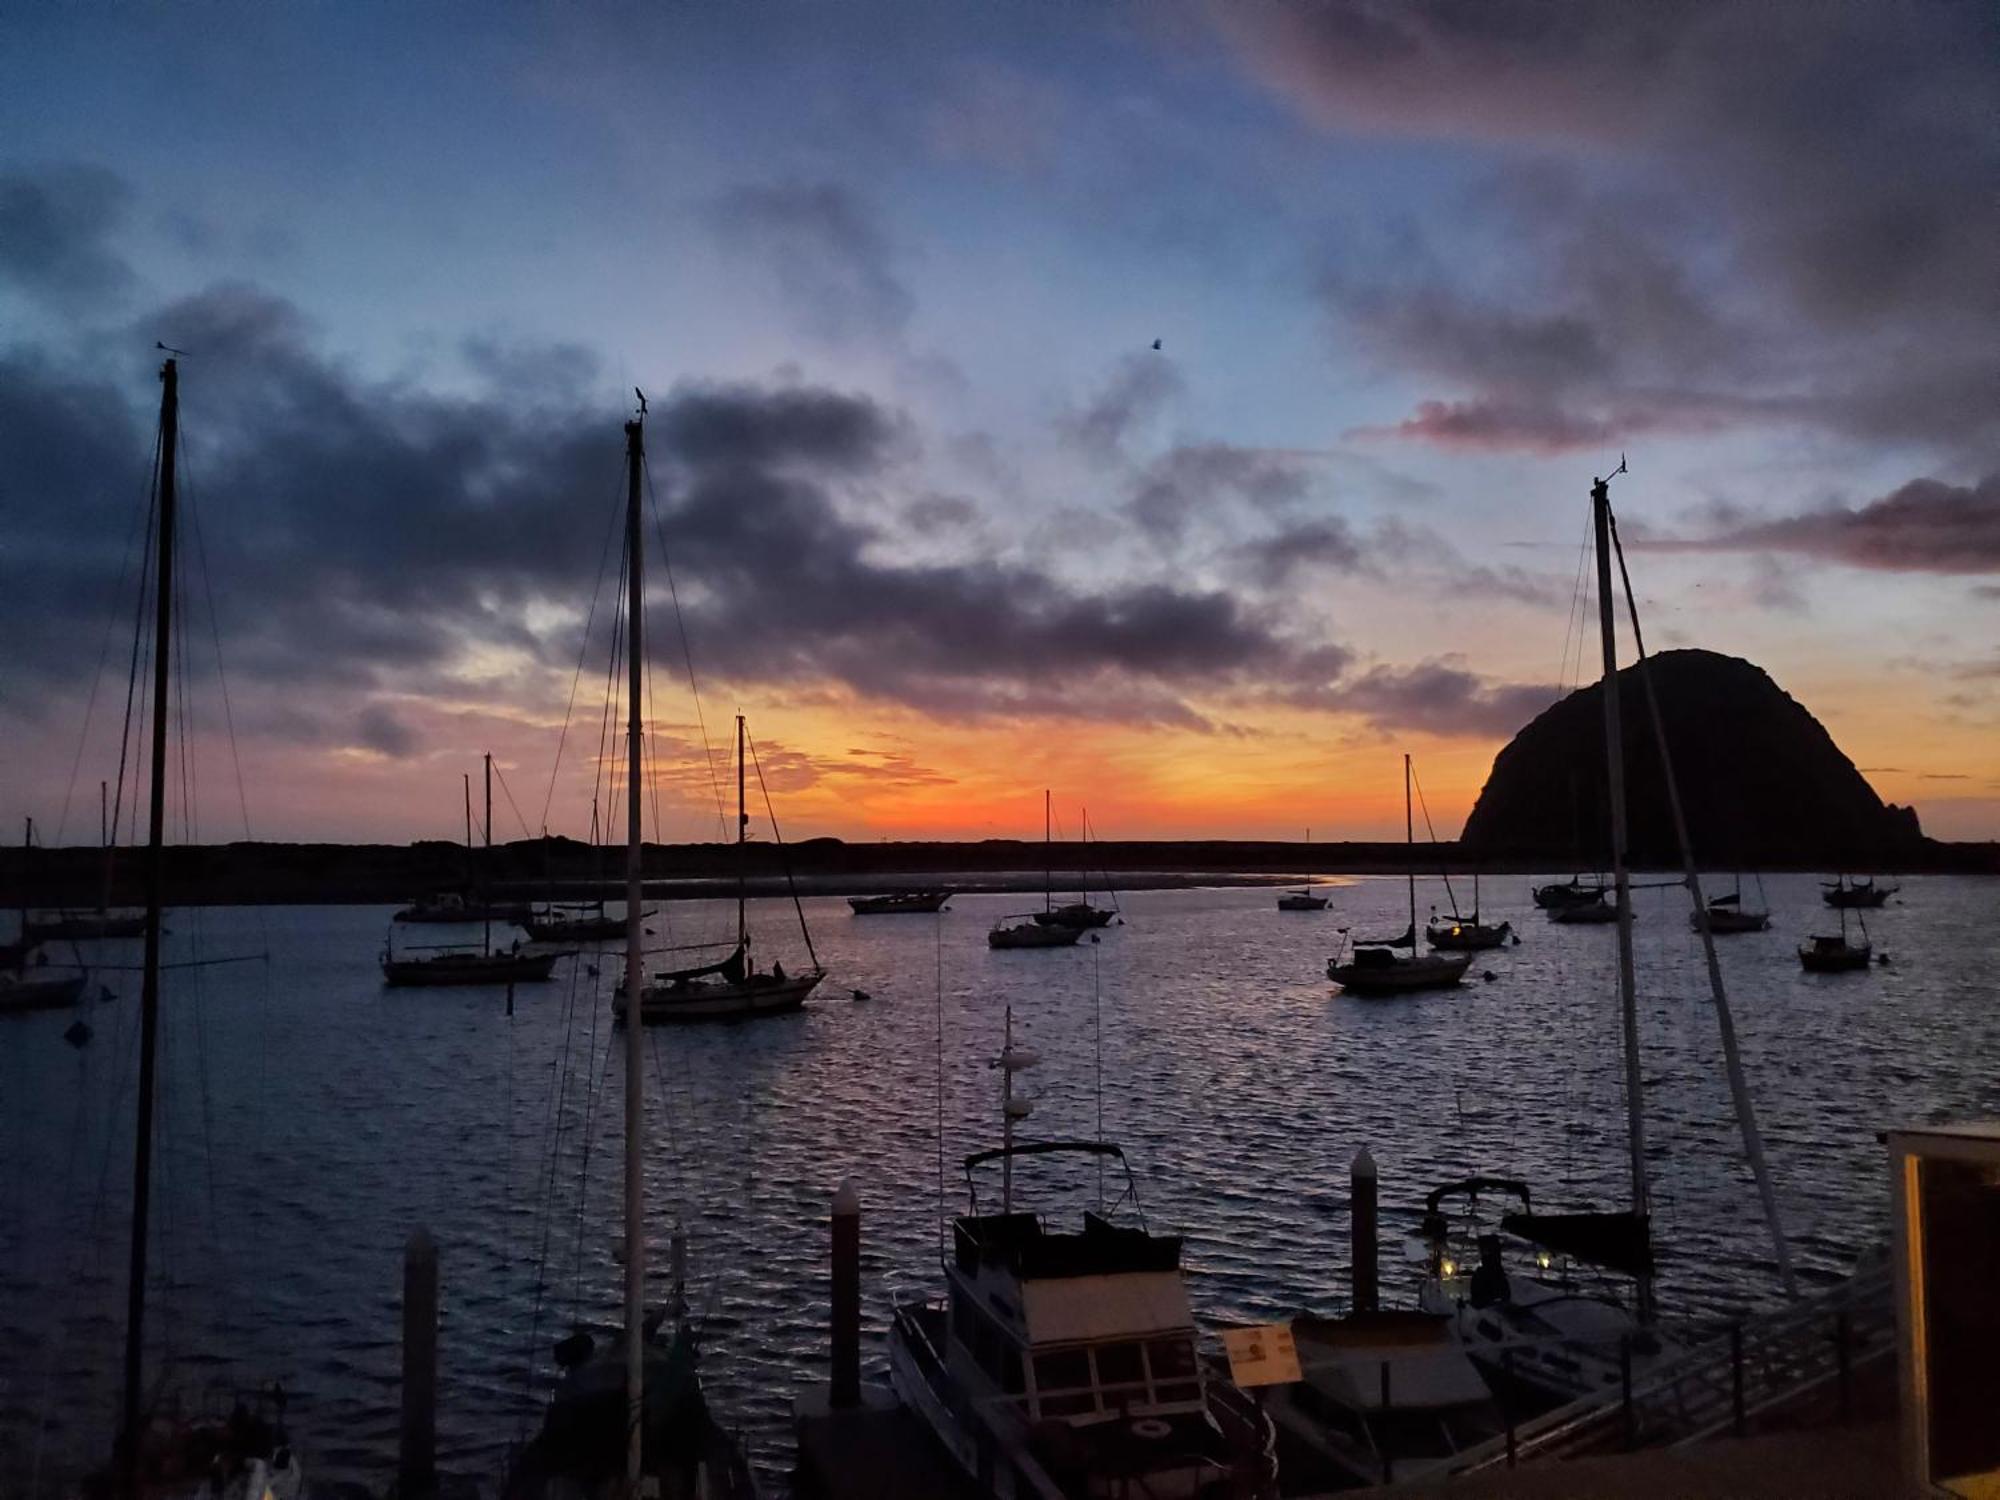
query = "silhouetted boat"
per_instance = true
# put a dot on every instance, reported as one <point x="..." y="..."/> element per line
<point x="1856" y="894"/>
<point x="1062" y="1364"/>
<point x="1595" y="912"/>
<point x="1027" y="930"/>
<point x="1725" y="914"/>
<point x="1303" y="898"/>
<point x="582" y="922"/>
<point x="1079" y="913"/>
<point x="1571" y="892"/>
<point x="84" y="926"/>
<point x="25" y="991"/>
<point x="631" y="1419"/>
<point x="1836" y="953"/>
<point x="1458" y="934"/>
<point x="454" y="965"/>
<point x="899" y="902"/>
<point x="1375" y="968"/>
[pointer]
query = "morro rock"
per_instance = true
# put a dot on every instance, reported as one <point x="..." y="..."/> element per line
<point x="1762" y="782"/>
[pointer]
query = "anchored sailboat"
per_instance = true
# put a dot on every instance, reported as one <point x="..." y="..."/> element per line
<point x="1303" y="898"/>
<point x="1375" y="968"/>
<point x="1466" y="934"/>
<point x="1078" y="914"/>
<point x="1727" y="914"/>
<point x="456" y="965"/>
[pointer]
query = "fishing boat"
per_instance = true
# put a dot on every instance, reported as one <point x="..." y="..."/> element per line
<point x="628" y="1416"/>
<point x="1375" y="968"/>
<point x="1458" y="934"/>
<point x="457" y="965"/>
<point x="1027" y="930"/>
<point x="1062" y="1364"/>
<point x="1728" y="914"/>
<point x="159" y="1451"/>
<point x="1582" y="1321"/>
<point x="1303" y="899"/>
<point x="1836" y="953"/>
<point x="1078" y="914"/>
<point x="1856" y="895"/>
<point x="898" y="902"/>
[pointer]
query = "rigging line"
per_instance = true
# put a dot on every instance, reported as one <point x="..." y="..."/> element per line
<point x="591" y="1095"/>
<point x="126" y="743"/>
<point x="508" y="792"/>
<point x="779" y="838"/>
<point x="215" y="634"/>
<point x="582" y="654"/>
<point x="1739" y="1088"/>
<point x="687" y="651"/>
<point x="104" y="650"/>
<point x="1431" y="832"/>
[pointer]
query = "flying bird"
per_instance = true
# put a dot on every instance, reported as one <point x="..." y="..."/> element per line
<point x="1156" y="343"/>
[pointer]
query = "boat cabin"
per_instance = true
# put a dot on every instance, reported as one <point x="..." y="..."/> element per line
<point x="1081" y="1328"/>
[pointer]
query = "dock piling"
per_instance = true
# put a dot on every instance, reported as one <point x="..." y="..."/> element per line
<point x="1363" y="1225"/>
<point x="416" y="1465"/>
<point x="846" y="1383"/>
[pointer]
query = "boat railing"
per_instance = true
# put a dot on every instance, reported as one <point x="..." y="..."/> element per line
<point x="1747" y="1368"/>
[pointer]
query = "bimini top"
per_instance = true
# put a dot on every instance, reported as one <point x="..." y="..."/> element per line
<point x="1019" y="1245"/>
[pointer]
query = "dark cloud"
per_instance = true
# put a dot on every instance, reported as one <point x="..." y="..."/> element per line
<point x="1138" y="390"/>
<point x="1201" y="478"/>
<point x="1926" y="526"/>
<point x="938" y="515"/>
<point x="1706" y="213"/>
<point x="1275" y="560"/>
<point x="55" y="228"/>
<point x="830" y="258"/>
<point x="381" y="731"/>
<point x="1441" y="698"/>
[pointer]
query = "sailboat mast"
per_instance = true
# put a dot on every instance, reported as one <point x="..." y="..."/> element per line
<point x="635" y="970"/>
<point x="1048" y="856"/>
<point x="1410" y="844"/>
<point x="742" y="828"/>
<point x="486" y="871"/>
<point x="149" y="986"/>
<point x="1614" y="756"/>
<point x="466" y="777"/>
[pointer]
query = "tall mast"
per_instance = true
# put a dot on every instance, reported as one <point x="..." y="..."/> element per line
<point x="742" y="828"/>
<point x="1048" y="857"/>
<point x="466" y="777"/>
<point x="104" y="839"/>
<point x="149" y="986"/>
<point x="486" y="865"/>
<point x="1409" y="860"/>
<point x="635" y="972"/>
<point x="1614" y="757"/>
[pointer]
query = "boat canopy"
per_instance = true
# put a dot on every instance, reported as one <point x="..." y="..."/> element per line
<point x="1618" y="1241"/>
<point x="1407" y="939"/>
<point x="732" y="968"/>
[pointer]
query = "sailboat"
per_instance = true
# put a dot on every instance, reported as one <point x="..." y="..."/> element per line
<point x="1725" y="914"/>
<point x="1856" y="894"/>
<point x="1543" y="1331"/>
<point x="734" y="988"/>
<point x="631" y="1419"/>
<point x="1830" y="953"/>
<point x="456" y="965"/>
<point x="1375" y="968"/>
<point x="892" y="903"/>
<point x="243" y="1456"/>
<point x="1466" y="935"/>
<point x="1062" y="1364"/>
<point x="1303" y="898"/>
<point x="20" y="990"/>
<point x="1079" y="914"/>
<point x="79" y="926"/>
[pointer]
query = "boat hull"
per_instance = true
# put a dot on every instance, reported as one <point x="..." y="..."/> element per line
<point x="92" y="925"/>
<point x="1592" y="914"/>
<point x="1556" y="897"/>
<point x="1079" y="916"/>
<point x="668" y="1005"/>
<point x="899" y="902"/>
<point x="1031" y="936"/>
<point x="589" y="930"/>
<point x="1841" y="960"/>
<point x="1469" y="937"/>
<point x="1726" y="920"/>
<point x="20" y="996"/>
<point x="470" y="968"/>
<point x="1857" y="898"/>
<point x="1426" y="971"/>
<point x="1298" y="901"/>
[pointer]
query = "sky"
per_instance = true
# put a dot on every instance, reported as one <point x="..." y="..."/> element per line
<point x="1188" y="408"/>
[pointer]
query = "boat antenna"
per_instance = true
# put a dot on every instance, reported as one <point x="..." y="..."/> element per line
<point x="1739" y="1089"/>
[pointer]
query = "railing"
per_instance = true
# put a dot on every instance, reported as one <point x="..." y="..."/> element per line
<point x="1751" y="1368"/>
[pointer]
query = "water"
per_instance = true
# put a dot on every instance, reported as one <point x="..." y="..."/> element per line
<point x="312" y="1119"/>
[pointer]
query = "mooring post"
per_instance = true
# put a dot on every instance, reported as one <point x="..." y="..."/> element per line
<point x="1736" y="1377"/>
<point x="1363" y="1225"/>
<point x="416" y="1466"/>
<point x="1388" y="1452"/>
<point x="1625" y="1390"/>
<point x="1844" y="1354"/>
<point x="1507" y="1401"/>
<point x="846" y="1297"/>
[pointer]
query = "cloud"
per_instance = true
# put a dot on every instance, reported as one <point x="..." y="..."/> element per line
<point x="1440" y="698"/>
<point x="1275" y="560"/>
<point x="1926" y="526"/>
<point x="55" y="228"/>
<point x="381" y="731"/>
<point x="829" y="256"/>
<point x="1204" y="478"/>
<point x="1695" y="215"/>
<point x="1138" y="390"/>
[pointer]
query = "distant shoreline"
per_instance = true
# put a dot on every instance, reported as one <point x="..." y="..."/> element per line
<point x="375" y="874"/>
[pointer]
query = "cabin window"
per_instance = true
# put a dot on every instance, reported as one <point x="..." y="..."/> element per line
<point x="1062" y="1381"/>
<point x="1121" y="1372"/>
<point x="1172" y="1362"/>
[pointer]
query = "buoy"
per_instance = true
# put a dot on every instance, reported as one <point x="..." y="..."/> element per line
<point x="78" y="1035"/>
<point x="860" y="995"/>
<point x="1489" y="976"/>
